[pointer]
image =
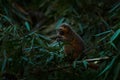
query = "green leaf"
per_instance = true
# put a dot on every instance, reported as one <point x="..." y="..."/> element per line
<point x="108" y="66"/>
<point x="27" y="25"/>
<point x="41" y="42"/>
<point x="54" y="44"/>
<point x="8" y="19"/>
<point x="117" y="71"/>
<point x="19" y="14"/>
<point x="85" y="63"/>
<point x="103" y="33"/>
<point x="115" y="7"/>
<point x="81" y="28"/>
<point x="115" y="35"/>
<point x="32" y="42"/>
<point x="59" y="22"/>
<point x="30" y="34"/>
<point x="50" y="58"/>
<point x="5" y="61"/>
<point x="74" y="64"/>
<point x="44" y="37"/>
<point x="24" y="58"/>
<point x="113" y="45"/>
<point x="105" y="22"/>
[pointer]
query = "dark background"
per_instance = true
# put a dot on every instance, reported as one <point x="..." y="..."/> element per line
<point x="28" y="50"/>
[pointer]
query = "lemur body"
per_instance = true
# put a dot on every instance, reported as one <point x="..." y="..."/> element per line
<point x="75" y="45"/>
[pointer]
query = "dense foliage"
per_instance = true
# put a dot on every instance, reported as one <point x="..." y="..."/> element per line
<point x="29" y="51"/>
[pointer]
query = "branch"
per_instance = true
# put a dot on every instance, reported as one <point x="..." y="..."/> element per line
<point x="95" y="59"/>
<point x="78" y="62"/>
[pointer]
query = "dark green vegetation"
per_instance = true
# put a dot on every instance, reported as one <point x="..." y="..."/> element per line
<point x="28" y="49"/>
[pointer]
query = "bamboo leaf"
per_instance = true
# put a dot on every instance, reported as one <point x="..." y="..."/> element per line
<point x="32" y="42"/>
<point x="44" y="37"/>
<point x="115" y="7"/>
<point x="41" y="42"/>
<point x="115" y="35"/>
<point x="85" y="63"/>
<point x="50" y="58"/>
<point x="59" y="22"/>
<point x="117" y="72"/>
<point x="106" y="32"/>
<point x="113" y="45"/>
<point x="27" y="26"/>
<point x="108" y="67"/>
<point x="74" y="64"/>
<point x="81" y="28"/>
<point x="8" y="19"/>
<point x="5" y="61"/>
<point x="105" y="22"/>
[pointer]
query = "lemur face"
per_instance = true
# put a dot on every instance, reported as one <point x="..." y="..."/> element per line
<point x="64" y="29"/>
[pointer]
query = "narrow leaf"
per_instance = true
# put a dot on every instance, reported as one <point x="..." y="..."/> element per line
<point x="103" y="33"/>
<point x="50" y="58"/>
<point x="59" y="22"/>
<point x="115" y="7"/>
<point x="5" y="61"/>
<point x="44" y="37"/>
<point x="8" y="19"/>
<point x="117" y="72"/>
<point x="105" y="22"/>
<point x="115" y="35"/>
<point x="74" y="64"/>
<point x="27" y="25"/>
<point x="113" y="45"/>
<point x="108" y="67"/>
<point x="85" y="63"/>
<point x="81" y="27"/>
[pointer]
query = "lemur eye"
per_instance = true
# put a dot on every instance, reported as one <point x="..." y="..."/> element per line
<point x="61" y="33"/>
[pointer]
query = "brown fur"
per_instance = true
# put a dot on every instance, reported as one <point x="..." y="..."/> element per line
<point x="75" y="45"/>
